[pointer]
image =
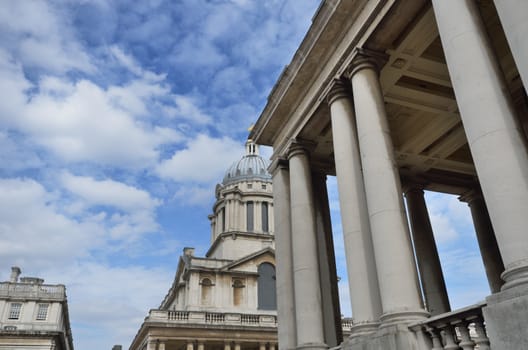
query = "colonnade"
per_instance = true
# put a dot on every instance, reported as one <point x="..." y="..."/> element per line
<point x="383" y="279"/>
<point x="233" y="216"/>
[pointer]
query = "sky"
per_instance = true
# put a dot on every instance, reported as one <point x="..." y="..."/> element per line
<point x="117" y="119"/>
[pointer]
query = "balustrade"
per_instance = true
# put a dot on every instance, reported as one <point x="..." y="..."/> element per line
<point x="180" y="316"/>
<point x="460" y="329"/>
<point x="21" y="290"/>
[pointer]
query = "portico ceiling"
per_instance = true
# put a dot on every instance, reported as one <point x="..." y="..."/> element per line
<point x="426" y="130"/>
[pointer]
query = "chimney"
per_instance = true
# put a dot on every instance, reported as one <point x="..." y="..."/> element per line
<point x="117" y="347"/>
<point x="15" y="273"/>
<point x="188" y="251"/>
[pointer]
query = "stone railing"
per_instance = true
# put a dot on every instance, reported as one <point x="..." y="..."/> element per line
<point x="460" y="329"/>
<point x="346" y="324"/>
<point x="217" y="318"/>
<point x="32" y="291"/>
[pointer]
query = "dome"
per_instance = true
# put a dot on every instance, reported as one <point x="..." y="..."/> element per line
<point x="250" y="167"/>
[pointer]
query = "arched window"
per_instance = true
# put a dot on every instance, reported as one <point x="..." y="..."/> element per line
<point x="238" y="292"/>
<point x="207" y="291"/>
<point x="267" y="295"/>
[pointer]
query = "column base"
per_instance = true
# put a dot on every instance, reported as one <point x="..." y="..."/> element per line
<point x="394" y="337"/>
<point x="312" y="346"/>
<point x="402" y="317"/>
<point x="362" y="329"/>
<point x="506" y="318"/>
<point x="515" y="276"/>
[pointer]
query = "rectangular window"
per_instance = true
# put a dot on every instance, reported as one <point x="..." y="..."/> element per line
<point x="42" y="312"/>
<point x="14" y="312"/>
<point x="249" y="216"/>
<point x="265" y="225"/>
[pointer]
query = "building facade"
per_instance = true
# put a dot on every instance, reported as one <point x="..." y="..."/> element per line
<point x="225" y="300"/>
<point x="395" y="97"/>
<point x="33" y="315"/>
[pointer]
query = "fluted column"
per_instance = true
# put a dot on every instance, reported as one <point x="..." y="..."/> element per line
<point x="308" y="307"/>
<point x="486" y="238"/>
<point x="283" y="255"/>
<point x="512" y="14"/>
<point x="361" y="268"/>
<point x="397" y="277"/>
<point x="431" y="274"/>
<point x="495" y="140"/>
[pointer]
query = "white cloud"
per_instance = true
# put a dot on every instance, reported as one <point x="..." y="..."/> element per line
<point x="15" y="155"/>
<point x="133" y="66"/>
<point x="108" y="192"/>
<point x="204" y="160"/>
<point x="187" y="108"/>
<point x="41" y="37"/>
<point x="34" y="232"/>
<point x="83" y="122"/>
<point x="195" y="195"/>
<point x="132" y="211"/>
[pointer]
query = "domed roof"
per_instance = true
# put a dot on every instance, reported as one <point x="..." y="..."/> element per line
<point x="250" y="167"/>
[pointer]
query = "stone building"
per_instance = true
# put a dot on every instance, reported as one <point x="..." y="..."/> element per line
<point x="33" y="315"/>
<point x="225" y="300"/>
<point x="395" y="97"/>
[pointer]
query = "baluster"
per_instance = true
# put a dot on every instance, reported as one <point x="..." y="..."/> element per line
<point x="466" y="343"/>
<point x="450" y="343"/>
<point x="435" y="337"/>
<point x="424" y="340"/>
<point x="481" y="340"/>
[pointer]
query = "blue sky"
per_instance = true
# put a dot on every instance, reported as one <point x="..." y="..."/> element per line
<point x="117" y="119"/>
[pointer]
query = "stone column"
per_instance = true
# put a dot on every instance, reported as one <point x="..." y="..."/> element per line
<point x="361" y="266"/>
<point x="151" y="345"/>
<point x="486" y="238"/>
<point x="262" y="346"/>
<point x="237" y="346"/>
<point x="512" y="14"/>
<point x="283" y="255"/>
<point x="161" y="345"/>
<point x="327" y="266"/>
<point x="308" y="307"/>
<point x="495" y="140"/>
<point x="397" y="277"/>
<point x="190" y="345"/>
<point x="431" y="275"/>
<point x="201" y="345"/>
<point x="227" y="346"/>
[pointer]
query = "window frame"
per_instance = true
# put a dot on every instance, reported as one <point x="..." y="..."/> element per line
<point x="14" y="312"/>
<point x="42" y="311"/>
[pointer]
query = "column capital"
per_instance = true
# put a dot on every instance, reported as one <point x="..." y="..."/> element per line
<point x="366" y="59"/>
<point x="470" y="196"/>
<point x="278" y="164"/>
<point x="412" y="187"/>
<point x="340" y="89"/>
<point x="299" y="146"/>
